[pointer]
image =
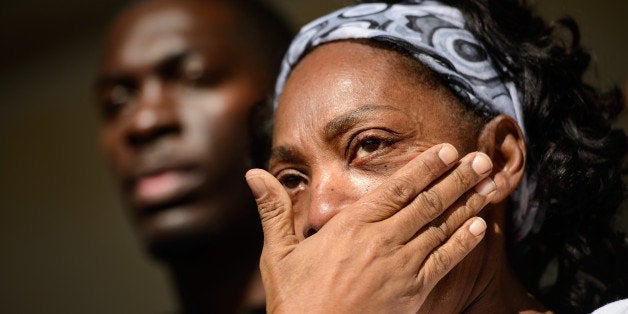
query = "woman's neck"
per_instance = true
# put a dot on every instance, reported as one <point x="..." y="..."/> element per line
<point x="504" y="292"/>
<point x="497" y="286"/>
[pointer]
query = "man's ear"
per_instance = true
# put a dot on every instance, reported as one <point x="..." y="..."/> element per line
<point x="502" y="140"/>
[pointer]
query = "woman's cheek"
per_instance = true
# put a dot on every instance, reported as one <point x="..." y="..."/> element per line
<point x="399" y="157"/>
<point x="366" y="180"/>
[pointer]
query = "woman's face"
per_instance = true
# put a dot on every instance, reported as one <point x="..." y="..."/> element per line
<point x="349" y="116"/>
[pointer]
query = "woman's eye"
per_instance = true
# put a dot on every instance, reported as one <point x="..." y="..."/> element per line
<point x="291" y="181"/>
<point x="369" y="146"/>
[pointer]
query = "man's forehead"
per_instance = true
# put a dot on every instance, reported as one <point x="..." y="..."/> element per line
<point x="147" y="37"/>
<point x="159" y="16"/>
<point x="153" y="34"/>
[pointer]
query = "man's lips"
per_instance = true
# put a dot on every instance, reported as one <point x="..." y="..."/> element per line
<point x="161" y="188"/>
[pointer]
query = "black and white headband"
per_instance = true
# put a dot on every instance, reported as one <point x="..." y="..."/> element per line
<point x="434" y="34"/>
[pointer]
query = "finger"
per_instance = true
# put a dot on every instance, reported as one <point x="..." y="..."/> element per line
<point x="406" y="183"/>
<point x="432" y="202"/>
<point x="274" y="207"/>
<point x="467" y="206"/>
<point x="442" y="260"/>
<point x="439" y="230"/>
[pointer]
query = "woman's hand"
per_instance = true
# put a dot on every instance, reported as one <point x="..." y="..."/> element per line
<point x="385" y="252"/>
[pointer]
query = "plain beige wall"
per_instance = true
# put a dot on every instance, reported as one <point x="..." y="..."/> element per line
<point x="65" y="246"/>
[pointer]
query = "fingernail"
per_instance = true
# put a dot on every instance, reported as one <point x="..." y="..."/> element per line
<point x="257" y="186"/>
<point x="477" y="227"/>
<point x="485" y="187"/>
<point x="448" y="154"/>
<point x="481" y="164"/>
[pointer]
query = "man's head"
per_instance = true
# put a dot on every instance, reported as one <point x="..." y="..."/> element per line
<point x="177" y="82"/>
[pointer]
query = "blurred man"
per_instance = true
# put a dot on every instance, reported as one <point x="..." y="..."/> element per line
<point x="177" y="82"/>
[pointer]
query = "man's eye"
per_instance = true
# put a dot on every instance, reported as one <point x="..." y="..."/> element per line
<point x="118" y="97"/>
<point x="196" y="73"/>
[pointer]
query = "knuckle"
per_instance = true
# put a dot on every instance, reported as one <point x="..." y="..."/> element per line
<point x="436" y="235"/>
<point x="431" y="201"/>
<point x="400" y="189"/>
<point x="462" y="180"/>
<point x="365" y="212"/>
<point x="443" y="230"/>
<point x="474" y="204"/>
<point x="378" y="246"/>
<point x="461" y="245"/>
<point x="442" y="262"/>
<point x="430" y="166"/>
<point x="269" y="209"/>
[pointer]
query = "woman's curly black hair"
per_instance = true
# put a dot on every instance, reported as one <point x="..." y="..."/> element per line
<point x="572" y="149"/>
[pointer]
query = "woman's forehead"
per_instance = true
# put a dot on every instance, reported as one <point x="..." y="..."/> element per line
<point x="346" y="73"/>
<point x="338" y="70"/>
<point x="334" y="77"/>
<point x="342" y="78"/>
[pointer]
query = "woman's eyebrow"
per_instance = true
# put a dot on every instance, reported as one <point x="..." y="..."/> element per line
<point x="344" y="122"/>
<point x="285" y="154"/>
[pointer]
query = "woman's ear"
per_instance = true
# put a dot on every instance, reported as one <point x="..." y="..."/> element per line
<point x="502" y="140"/>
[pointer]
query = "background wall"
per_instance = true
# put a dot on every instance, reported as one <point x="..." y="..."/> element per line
<point x="65" y="246"/>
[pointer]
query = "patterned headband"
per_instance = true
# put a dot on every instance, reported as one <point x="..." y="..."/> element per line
<point x="435" y="35"/>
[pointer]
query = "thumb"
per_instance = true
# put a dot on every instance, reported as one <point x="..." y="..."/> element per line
<point x="274" y="207"/>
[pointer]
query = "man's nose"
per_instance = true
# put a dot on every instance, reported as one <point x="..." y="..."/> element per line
<point x="330" y="193"/>
<point x="155" y="115"/>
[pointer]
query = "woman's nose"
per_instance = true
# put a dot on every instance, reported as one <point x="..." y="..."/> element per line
<point x="329" y="195"/>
